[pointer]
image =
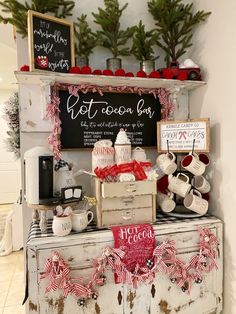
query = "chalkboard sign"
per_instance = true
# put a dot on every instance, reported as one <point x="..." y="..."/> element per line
<point x="51" y="43"/>
<point x="91" y="117"/>
<point x="180" y="136"/>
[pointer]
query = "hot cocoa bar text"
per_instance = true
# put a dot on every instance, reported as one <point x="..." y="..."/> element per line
<point x="100" y="117"/>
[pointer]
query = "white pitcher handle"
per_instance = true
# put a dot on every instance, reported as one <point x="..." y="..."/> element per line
<point x="91" y="218"/>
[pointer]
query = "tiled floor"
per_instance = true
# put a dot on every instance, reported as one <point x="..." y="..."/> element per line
<point x="12" y="283"/>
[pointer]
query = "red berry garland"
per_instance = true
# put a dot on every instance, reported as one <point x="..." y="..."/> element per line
<point x="141" y="74"/>
<point x="86" y="70"/>
<point x="74" y="70"/>
<point x="25" y="68"/>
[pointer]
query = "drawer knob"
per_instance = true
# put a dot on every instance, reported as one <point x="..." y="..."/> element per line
<point x="131" y="188"/>
<point x="127" y="216"/>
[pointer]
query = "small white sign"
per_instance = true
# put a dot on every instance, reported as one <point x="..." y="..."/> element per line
<point x="183" y="136"/>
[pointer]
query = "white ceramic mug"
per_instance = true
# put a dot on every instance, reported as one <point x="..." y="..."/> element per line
<point x="167" y="163"/>
<point x="166" y="202"/>
<point x="201" y="184"/>
<point x="80" y="219"/>
<point x="196" y="203"/>
<point x="192" y="163"/>
<point x="62" y="225"/>
<point x="179" y="186"/>
<point x="139" y="154"/>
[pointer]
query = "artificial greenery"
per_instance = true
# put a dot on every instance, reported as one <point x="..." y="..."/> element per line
<point x="112" y="37"/>
<point x="175" y="22"/>
<point x="11" y="111"/>
<point x="86" y="40"/>
<point x="17" y="12"/>
<point x="143" y="43"/>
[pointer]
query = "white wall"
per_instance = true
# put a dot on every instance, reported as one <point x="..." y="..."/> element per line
<point x="215" y="50"/>
<point x="9" y="167"/>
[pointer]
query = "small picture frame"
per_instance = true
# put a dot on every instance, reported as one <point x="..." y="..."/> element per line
<point x="71" y="194"/>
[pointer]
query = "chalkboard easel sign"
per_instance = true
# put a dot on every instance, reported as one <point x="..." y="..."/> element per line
<point x="90" y="117"/>
<point x="51" y="43"/>
<point x="184" y="135"/>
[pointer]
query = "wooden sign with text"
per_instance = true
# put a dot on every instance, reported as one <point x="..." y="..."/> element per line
<point x="180" y="136"/>
<point x="51" y="43"/>
<point x="91" y="117"/>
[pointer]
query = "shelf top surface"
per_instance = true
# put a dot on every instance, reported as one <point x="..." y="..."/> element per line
<point x="36" y="78"/>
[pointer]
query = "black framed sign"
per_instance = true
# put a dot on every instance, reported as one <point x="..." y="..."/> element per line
<point x="90" y="117"/>
<point x="51" y="43"/>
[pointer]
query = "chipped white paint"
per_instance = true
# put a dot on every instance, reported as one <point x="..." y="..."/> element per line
<point x="160" y="297"/>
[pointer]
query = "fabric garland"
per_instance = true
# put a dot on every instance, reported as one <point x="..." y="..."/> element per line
<point x="53" y="107"/>
<point x="164" y="259"/>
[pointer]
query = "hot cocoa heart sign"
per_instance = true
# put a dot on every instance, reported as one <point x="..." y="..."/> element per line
<point x="138" y="242"/>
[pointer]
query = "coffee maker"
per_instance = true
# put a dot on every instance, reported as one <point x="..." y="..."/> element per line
<point x="38" y="176"/>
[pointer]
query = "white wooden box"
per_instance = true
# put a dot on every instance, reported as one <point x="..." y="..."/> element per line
<point x="122" y="203"/>
<point x="160" y="297"/>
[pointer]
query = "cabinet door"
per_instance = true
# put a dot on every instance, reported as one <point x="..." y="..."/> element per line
<point x="79" y="258"/>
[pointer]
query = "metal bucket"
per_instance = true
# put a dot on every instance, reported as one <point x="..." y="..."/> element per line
<point x="147" y="66"/>
<point x="81" y="61"/>
<point x="114" y="64"/>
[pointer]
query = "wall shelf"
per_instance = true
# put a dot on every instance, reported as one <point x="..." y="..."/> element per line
<point x="35" y="78"/>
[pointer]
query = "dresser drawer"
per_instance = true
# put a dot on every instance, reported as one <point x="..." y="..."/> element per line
<point x="119" y="189"/>
<point x="139" y="201"/>
<point x="127" y="216"/>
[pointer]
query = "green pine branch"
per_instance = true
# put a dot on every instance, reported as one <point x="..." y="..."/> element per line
<point x="175" y="22"/>
<point x="85" y="39"/>
<point x="112" y="37"/>
<point x="16" y="12"/>
<point x="143" y="43"/>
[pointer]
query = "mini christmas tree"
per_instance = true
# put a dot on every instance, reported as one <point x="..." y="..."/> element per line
<point x="11" y="110"/>
<point x="18" y="11"/>
<point x="143" y="43"/>
<point x="86" y="40"/>
<point x="175" y="22"/>
<point x="112" y="37"/>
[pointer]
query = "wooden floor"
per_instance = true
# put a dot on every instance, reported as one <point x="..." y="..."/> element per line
<point x="12" y="283"/>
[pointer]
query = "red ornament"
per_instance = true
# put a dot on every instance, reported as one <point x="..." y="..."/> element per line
<point x="86" y="70"/>
<point x="25" y="68"/>
<point x="74" y="70"/>
<point x="120" y="72"/>
<point x="97" y="72"/>
<point x="129" y="74"/>
<point x="107" y="72"/>
<point x="141" y="74"/>
<point x="154" y="74"/>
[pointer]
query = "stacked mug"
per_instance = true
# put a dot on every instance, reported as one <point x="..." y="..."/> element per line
<point x="192" y="191"/>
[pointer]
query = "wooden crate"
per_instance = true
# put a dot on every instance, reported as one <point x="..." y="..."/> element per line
<point x="122" y="203"/>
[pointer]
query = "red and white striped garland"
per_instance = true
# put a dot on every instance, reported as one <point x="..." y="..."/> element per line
<point x="164" y="260"/>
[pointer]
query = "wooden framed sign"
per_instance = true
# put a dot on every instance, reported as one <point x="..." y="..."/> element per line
<point x="51" y="43"/>
<point x="180" y="136"/>
<point x="90" y="117"/>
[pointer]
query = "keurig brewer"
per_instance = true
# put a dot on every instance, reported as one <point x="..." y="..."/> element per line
<point x="38" y="169"/>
